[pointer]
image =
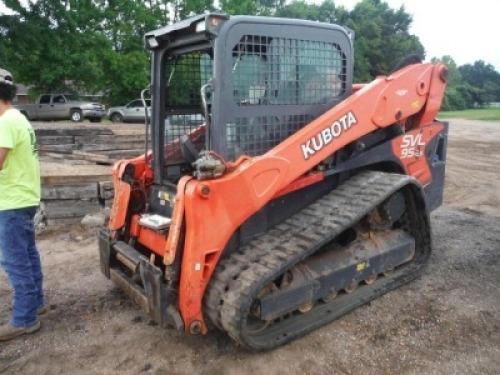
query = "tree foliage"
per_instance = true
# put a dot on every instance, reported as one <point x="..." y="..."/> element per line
<point x="96" y="46"/>
<point x="485" y="78"/>
<point x="382" y="38"/>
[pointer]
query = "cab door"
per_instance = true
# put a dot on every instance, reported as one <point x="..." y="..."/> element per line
<point x="44" y="108"/>
<point x="134" y="111"/>
<point x="59" y="107"/>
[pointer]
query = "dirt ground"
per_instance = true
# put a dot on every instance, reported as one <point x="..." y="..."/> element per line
<point x="447" y="322"/>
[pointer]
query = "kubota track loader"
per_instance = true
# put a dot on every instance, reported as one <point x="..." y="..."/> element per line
<point x="278" y="195"/>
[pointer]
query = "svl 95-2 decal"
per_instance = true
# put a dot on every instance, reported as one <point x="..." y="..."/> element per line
<point x="412" y="145"/>
<point x="410" y="149"/>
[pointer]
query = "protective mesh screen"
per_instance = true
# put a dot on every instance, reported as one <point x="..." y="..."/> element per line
<point x="185" y="75"/>
<point x="256" y="135"/>
<point x="284" y="72"/>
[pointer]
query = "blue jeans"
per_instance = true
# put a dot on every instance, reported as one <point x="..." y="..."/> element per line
<point x="20" y="260"/>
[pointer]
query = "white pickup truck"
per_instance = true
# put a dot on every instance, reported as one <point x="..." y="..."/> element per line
<point x="62" y="107"/>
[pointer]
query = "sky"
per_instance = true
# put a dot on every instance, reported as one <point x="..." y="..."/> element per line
<point x="466" y="31"/>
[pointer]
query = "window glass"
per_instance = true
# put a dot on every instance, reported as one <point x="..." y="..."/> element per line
<point x="58" y="99"/>
<point x="45" y="99"/>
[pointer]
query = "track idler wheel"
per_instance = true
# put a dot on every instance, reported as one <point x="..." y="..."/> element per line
<point x="257" y="324"/>
<point x="389" y="271"/>
<point x="370" y="279"/>
<point x="331" y="296"/>
<point x="306" y="307"/>
<point x="351" y="287"/>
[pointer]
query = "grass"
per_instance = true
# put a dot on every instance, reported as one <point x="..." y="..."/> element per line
<point x="487" y="114"/>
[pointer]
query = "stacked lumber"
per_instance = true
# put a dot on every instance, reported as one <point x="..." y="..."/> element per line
<point x="71" y="192"/>
<point x="90" y="144"/>
<point x="75" y="166"/>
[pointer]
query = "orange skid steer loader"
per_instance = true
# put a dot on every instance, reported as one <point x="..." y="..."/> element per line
<point x="278" y="195"/>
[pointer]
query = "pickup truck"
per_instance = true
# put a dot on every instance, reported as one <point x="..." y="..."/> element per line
<point x="131" y="112"/>
<point x="62" y="107"/>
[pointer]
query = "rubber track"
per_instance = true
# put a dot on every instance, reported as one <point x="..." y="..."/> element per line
<point x="239" y="278"/>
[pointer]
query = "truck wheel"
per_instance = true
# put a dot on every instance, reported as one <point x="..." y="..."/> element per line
<point x="76" y="115"/>
<point x="116" y="117"/>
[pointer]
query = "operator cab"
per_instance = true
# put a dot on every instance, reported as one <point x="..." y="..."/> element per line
<point x="239" y="86"/>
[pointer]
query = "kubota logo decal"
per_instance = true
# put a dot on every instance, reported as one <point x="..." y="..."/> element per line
<point x="328" y="134"/>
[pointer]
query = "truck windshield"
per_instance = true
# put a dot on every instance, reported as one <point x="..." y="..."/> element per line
<point x="184" y="77"/>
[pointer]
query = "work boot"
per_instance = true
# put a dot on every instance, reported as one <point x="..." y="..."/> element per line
<point x="8" y="331"/>
<point x="41" y="310"/>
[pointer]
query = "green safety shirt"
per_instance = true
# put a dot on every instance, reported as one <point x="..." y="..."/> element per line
<point x="20" y="174"/>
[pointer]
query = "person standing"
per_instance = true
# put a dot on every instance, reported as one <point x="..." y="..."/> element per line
<point x="19" y="200"/>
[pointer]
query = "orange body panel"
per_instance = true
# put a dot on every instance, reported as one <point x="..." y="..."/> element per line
<point x="214" y="209"/>
<point x="153" y="240"/>
<point x="410" y="149"/>
<point x="122" y="189"/>
<point x="120" y="204"/>
<point x="177" y="220"/>
<point x="301" y="183"/>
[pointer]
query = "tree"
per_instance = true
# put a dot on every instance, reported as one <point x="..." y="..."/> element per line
<point x="382" y="35"/>
<point x="485" y="78"/>
<point x="89" y="46"/>
<point x="324" y="12"/>
<point x="186" y="8"/>
<point x="382" y="38"/>
<point x="49" y="44"/>
<point x="95" y="46"/>
<point x="243" y="7"/>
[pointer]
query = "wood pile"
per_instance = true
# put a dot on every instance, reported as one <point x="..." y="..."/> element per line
<point x="93" y="144"/>
<point x="76" y="166"/>
<point x="69" y="192"/>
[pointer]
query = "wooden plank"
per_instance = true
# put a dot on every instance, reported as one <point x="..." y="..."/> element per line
<point x="55" y="140"/>
<point x="70" y="159"/>
<point x="56" y="156"/>
<point x="108" y="157"/>
<point x="62" y="209"/>
<point x="74" y="179"/>
<point x="111" y="146"/>
<point x="54" y="173"/>
<point x="106" y="190"/>
<point x="66" y="192"/>
<point x="95" y="157"/>
<point x="63" y="149"/>
<point x="56" y="169"/>
<point x="99" y="139"/>
<point x="124" y="152"/>
<point x="68" y="130"/>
